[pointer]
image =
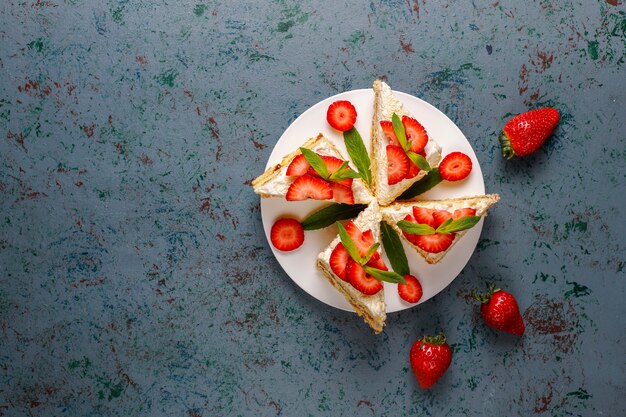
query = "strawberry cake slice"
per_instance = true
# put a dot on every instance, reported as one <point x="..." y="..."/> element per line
<point x="316" y="171"/>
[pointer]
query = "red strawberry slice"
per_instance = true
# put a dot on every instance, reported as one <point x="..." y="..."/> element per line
<point x="363" y="282"/>
<point x="415" y="134"/>
<point x="435" y="243"/>
<point x="362" y="240"/>
<point x="339" y="260"/>
<point x="411" y="291"/>
<point x="390" y="134"/>
<point x="397" y="164"/>
<point x="377" y="262"/>
<point x="308" y="186"/>
<point x="287" y="234"/>
<point x="332" y="164"/>
<point x="423" y="216"/>
<point x="341" y="115"/>
<point x="464" y="212"/>
<point x="341" y="193"/>
<point x="455" y="166"/>
<point x="441" y="216"/>
<point x="414" y="169"/>
<point x="409" y="236"/>
<point x="298" y="166"/>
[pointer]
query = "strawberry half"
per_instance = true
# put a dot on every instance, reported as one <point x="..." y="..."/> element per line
<point x="410" y="292"/>
<point x="376" y="261"/>
<point x="339" y="258"/>
<point x="397" y="164"/>
<point x="341" y="115"/>
<point x="409" y="236"/>
<point x="525" y="133"/>
<point x="363" y="282"/>
<point x="287" y="234"/>
<point x="455" y="166"/>
<point x="390" y="134"/>
<point x="435" y="243"/>
<point x="415" y="134"/>
<point x="308" y="186"/>
<point x="298" y="166"/>
<point x="341" y="193"/>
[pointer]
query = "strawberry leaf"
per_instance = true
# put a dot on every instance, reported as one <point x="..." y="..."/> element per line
<point x="331" y="214"/>
<point x="388" y="276"/>
<point x="394" y="249"/>
<point x="415" y="229"/>
<point x="398" y="129"/>
<point x="458" y="225"/>
<point x="418" y="160"/>
<point x="420" y="187"/>
<point x="358" y="153"/>
<point x="316" y="162"/>
<point x="350" y="246"/>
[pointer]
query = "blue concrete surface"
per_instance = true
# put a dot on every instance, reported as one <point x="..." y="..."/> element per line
<point x="135" y="279"/>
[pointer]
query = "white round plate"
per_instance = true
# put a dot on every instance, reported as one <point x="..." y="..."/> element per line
<point x="300" y="264"/>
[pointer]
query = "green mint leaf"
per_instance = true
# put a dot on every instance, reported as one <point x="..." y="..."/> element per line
<point x="418" y="160"/>
<point x="331" y="214"/>
<point x="388" y="276"/>
<point x="398" y="129"/>
<point x="370" y="252"/>
<point x="343" y="172"/>
<point x="358" y="153"/>
<point x="420" y="187"/>
<point x="316" y="162"/>
<point x="394" y="249"/>
<point x="458" y="225"/>
<point x="353" y="251"/>
<point x="414" y="228"/>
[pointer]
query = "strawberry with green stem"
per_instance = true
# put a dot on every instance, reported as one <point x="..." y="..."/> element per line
<point x="430" y="359"/>
<point x="526" y="132"/>
<point x="500" y="311"/>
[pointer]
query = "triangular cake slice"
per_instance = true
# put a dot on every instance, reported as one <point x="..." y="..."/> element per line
<point x="275" y="182"/>
<point x="365" y="231"/>
<point x="434" y="213"/>
<point x="388" y="187"/>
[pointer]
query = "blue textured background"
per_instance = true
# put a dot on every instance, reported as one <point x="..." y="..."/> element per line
<point x="134" y="275"/>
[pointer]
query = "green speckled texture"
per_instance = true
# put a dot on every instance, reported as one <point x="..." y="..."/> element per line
<point x="135" y="278"/>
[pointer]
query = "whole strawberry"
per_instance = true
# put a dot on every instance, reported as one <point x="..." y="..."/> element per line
<point x="430" y="359"/>
<point x="525" y="133"/>
<point x="500" y="311"/>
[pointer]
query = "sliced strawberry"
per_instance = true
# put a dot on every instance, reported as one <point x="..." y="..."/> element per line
<point x="390" y="134"/>
<point x="415" y="134"/>
<point x="409" y="236"/>
<point x="435" y="243"/>
<point x="397" y="164"/>
<point x="287" y="234"/>
<point x="455" y="166"/>
<point x="464" y="212"/>
<point x="341" y="193"/>
<point x="413" y="170"/>
<point x="332" y="164"/>
<point x="424" y="215"/>
<point x="411" y="291"/>
<point x="298" y="166"/>
<point x="377" y="262"/>
<point x="362" y="240"/>
<point x="341" y="115"/>
<point x="339" y="260"/>
<point x="363" y="282"/>
<point x="308" y="186"/>
<point x="441" y="216"/>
